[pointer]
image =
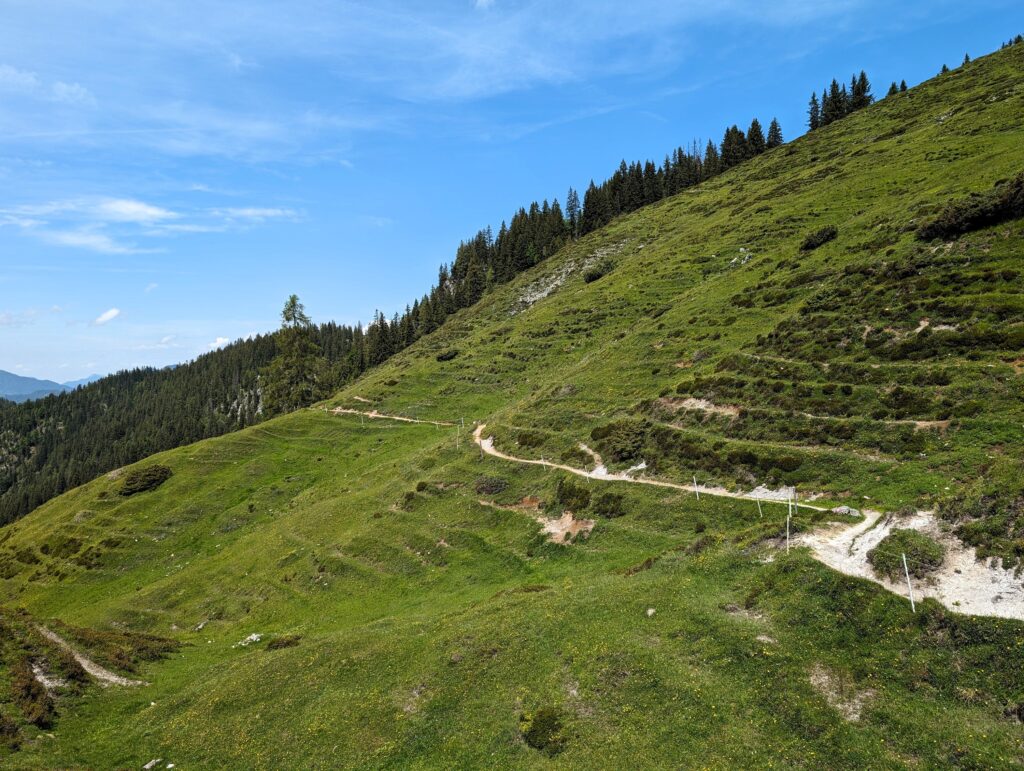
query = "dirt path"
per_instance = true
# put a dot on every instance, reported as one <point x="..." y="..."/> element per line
<point x="602" y="473"/>
<point x="373" y="414"/>
<point x="102" y="675"/>
<point x="963" y="584"/>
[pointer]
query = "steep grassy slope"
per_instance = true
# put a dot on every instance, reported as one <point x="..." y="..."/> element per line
<point x="437" y="631"/>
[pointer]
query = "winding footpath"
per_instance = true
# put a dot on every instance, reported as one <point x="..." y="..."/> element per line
<point x="964" y="584"/>
<point x="102" y="675"/>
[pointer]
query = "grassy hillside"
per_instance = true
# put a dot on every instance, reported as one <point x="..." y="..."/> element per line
<point x="411" y="612"/>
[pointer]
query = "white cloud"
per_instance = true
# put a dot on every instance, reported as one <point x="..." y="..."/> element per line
<point x="128" y="210"/>
<point x="255" y="213"/>
<point x="220" y="342"/>
<point x="72" y="93"/>
<point x="92" y="240"/>
<point x="14" y="80"/>
<point x="484" y="4"/>
<point x="150" y="287"/>
<point x="106" y="316"/>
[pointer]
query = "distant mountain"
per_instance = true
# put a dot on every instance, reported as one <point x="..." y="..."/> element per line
<point x="17" y="388"/>
<point x="73" y="384"/>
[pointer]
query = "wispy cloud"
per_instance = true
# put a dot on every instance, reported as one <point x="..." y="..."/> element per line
<point x="150" y="287"/>
<point x="220" y="342"/>
<point x="93" y="240"/>
<point x="24" y="82"/>
<point x="106" y="317"/>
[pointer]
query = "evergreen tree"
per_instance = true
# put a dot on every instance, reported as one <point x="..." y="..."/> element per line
<point x="967" y="58"/>
<point x="774" y="135"/>
<point x="944" y="70"/>
<point x="756" y="142"/>
<point x="711" y="165"/>
<point x="298" y="375"/>
<point x="833" y="107"/>
<point x="893" y="89"/>
<point x="862" y="92"/>
<point x="903" y="86"/>
<point x="572" y="211"/>
<point x="813" y="112"/>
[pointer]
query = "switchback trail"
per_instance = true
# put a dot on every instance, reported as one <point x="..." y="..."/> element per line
<point x="966" y="585"/>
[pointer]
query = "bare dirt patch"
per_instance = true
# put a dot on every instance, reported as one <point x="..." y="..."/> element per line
<point x="700" y="405"/>
<point x="842" y="697"/>
<point x="963" y="583"/>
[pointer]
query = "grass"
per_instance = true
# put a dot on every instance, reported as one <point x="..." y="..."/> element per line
<point x="433" y="629"/>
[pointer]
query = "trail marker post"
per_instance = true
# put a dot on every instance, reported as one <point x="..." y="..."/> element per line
<point x="696" y="489"/>
<point x="759" y="512"/>
<point x="910" y="589"/>
<point x="788" y="517"/>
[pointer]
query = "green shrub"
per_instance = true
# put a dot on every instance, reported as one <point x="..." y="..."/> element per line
<point x="979" y="210"/>
<point x="622" y="440"/>
<point x="818" y="238"/>
<point x="447" y="355"/>
<point x="421" y="485"/>
<point x="286" y="641"/>
<point x="530" y="439"/>
<point x="30" y="695"/>
<point x="609" y="505"/>
<point x="598" y="270"/>
<point x="924" y="554"/>
<point x="490" y="485"/>
<point x="542" y="730"/>
<point x="571" y="496"/>
<point x="141" y="480"/>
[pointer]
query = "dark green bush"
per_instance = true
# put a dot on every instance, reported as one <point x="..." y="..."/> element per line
<point x="622" y="440"/>
<point x="447" y="355"/>
<point x="609" y="505"/>
<point x="530" y="439"/>
<point x="30" y="695"/>
<point x="979" y="210"/>
<point x="571" y="496"/>
<point x="490" y="485"/>
<point x="924" y="554"/>
<point x="598" y="270"/>
<point x="142" y="479"/>
<point x="285" y="641"/>
<point x="542" y="730"/>
<point x="818" y="238"/>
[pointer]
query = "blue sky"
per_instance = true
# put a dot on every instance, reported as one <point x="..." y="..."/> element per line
<point x="171" y="170"/>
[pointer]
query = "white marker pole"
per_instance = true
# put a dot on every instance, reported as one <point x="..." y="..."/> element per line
<point x="788" y="517"/>
<point x="759" y="512"/>
<point x="696" y="490"/>
<point x="910" y="589"/>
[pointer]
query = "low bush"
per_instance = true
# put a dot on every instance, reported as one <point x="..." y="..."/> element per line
<point x="819" y="238"/>
<point x="490" y="485"/>
<point x="598" y="270"/>
<point x="609" y="505"/>
<point x="119" y="650"/>
<point x="29" y="694"/>
<point x="979" y="210"/>
<point x="571" y="496"/>
<point x="543" y="730"/>
<point x="528" y="438"/>
<point x="924" y="554"/>
<point x="141" y="480"/>
<point x="286" y="641"/>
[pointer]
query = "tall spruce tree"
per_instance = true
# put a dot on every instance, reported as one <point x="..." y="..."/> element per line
<point x="893" y="89"/>
<point x="299" y="375"/>
<point x="813" y="112"/>
<point x="903" y="86"/>
<point x="756" y="142"/>
<point x="774" y="135"/>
